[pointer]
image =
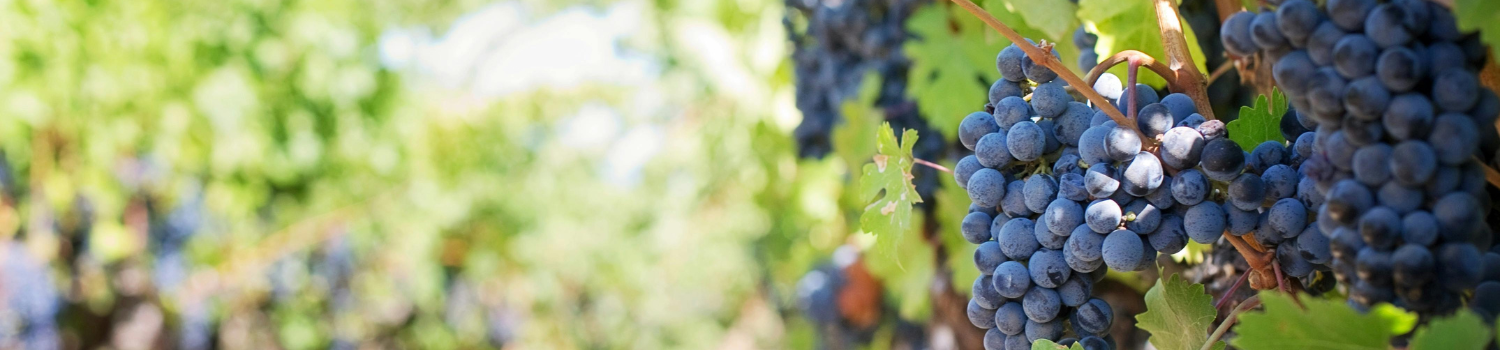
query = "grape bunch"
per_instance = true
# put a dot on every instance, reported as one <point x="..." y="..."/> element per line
<point x="1398" y="115"/>
<point x="29" y="302"/>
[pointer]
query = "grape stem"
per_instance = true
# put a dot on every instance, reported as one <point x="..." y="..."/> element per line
<point x="1132" y="55"/>
<point x="932" y="165"/>
<point x="1233" y="288"/>
<point x="1229" y="320"/>
<point x="1219" y="72"/>
<point x="1189" y="80"/>
<point x="1046" y="59"/>
<point x="1258" y="260"/>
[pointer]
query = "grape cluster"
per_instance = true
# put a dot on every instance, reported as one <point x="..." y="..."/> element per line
<point x="1398" y="115"/>
<point x="839" y="42"/>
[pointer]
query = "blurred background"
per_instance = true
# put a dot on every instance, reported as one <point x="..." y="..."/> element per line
<point x="527" y="174"/>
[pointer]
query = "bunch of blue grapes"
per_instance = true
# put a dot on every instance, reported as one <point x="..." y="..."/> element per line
<point x="1398" y="114"/>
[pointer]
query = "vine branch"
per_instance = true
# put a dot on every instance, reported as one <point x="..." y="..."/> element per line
<point x="1189" y="80"/>
<point x="1229" y="321"/>
<point x="1142" y="58"/>
<point x="1046" y="59"/>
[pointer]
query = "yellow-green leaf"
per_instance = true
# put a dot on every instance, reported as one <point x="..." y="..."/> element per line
<point x="1178" y="314"/>
<point x="1131" y="25"/>
<point x="889" y="173"/>
<point x="1322" y="324"/>
<point x="1461" y="331"/>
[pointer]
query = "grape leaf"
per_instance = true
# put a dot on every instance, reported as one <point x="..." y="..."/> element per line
<point x="890" y="172"/>
<point x="1044" y="344"/>
<point x="1461" y="331"/>
<point x="1259" y="124"/>
<point x="854" y="139"/>
<point x="904" y="263"/>
<point x="1482" y="16"/>
<point x="1131" y="25"/>
<point x="1178" y="314"/>
<point x="1323" y="324"/>
<point x="1053" y="18"/>
<point x="944" y="78"/>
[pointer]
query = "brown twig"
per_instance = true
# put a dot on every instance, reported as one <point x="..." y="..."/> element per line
<point x="1490" y="175"/>
<point x="1258" y="260"/>
<point x="1046" y="59"/>
<point x="1219" y="72"/>
<point x="1229" y="321"/>
<point x="1233" y="288"/>
<point x="932" y="165"/>
<point x="1144" y="59"/>
<point x="1188" y="78"/>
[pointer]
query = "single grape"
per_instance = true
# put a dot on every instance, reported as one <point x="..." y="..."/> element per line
<point x="1408" y="117"/>
<point x="986" y="187"/>
<point x="1419" y="227"/>
<point x="1281" y="182"/>
<point x="1170" y="236"/>
<point x="984" y="292"/>
<point x="1223" y="155"/>
<point x="1012" y="279"/>
<point x="1014" y="202"/>
<point x="1039" y="192"/>
<point x="1154" y="120"/>
<point x="1050" y="100"/>
<point x="1288" y="217"/>
<point x="1026" y="141"/>
<point x="1313" y="246"/>
<point x="1380" y="227"/>
<point x="1091" y="145"/>
<point x="1291" y="261"/>
<point x="1345" y="244"/>
<point x="1146" y="217"/>
<point x="1100" y="181"/>
<point x="1297" y="19"/>
<point x="1103" y="215"/>
<point x="975" y="126"/>
<point x="1182" y="147"/>
<point x="1455" y="90"/>
<point x="1366" y="98"/>
<point x="1070" y="125"/>
<point x="1347" y="200"/>
<point x="1063" y="216"/>
<point x="980" y="316"/>
<point x="1266" y="33"/>
<point x="1235" y="33"/>
<point x="1121" y="144"/>
<point x="1009" y="63"/>
<point x="1265" y="155"/>
<point x="1385" y="26"/>
<point x="1247" y="192"/>
<point x="1044" y="237"/>
<point x="1412" y="162"/>
<point x="1110" y="86"/>
<point x="1400" y="198"/>
<point x="1085" y="243"/>
<point x="1457" y="269"/>
<point x="1047" y="268"/>
<point x="992" y="152"/>
<point x="1293" y="71"/>
<point x="1349" y="15"/>
<point x="1043" y="330"/>
<point x="1205" y="222"/>
<point x="1075" y="291"/>
<point x="1459" y="216"/>
<point x="976" y="227"/>
<point x="1399" y="69"/>
<point x="1354" y="56"/>
<point x="1320" y="43"/>
<point x="1094" y="317"/>
<point x="994" y="340"/>
<point x="1123" y="250"/>
<point x="1241" y="221"/>
<point x="1412" y="266"/>
<point x="1192" y="121"/>
<point x="1071" y="186"/>
<point x="1011" y="318"/>
<point x="1142" y="175"/>
<point x="1068" y="163"/>
<point x="1162" y="196"/>
<point x="1036" y="72"/>
<point x="1004" y="88"/>
<point x="1373" y="266"/>
<point x="1325" y="95"/>
<point x="1018" y="239"/>
<point x="1454" y="138"/>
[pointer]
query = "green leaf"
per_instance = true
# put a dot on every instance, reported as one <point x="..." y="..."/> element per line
<point x="854" y="139"/>
<point x="945" y="77"/>
<point x="1323" y="324"/>
<point x="1178" y="314"/>
<point x="890" y="173"/>
<point x="1259" y="124"/>
<point x="1461" y="331"/>
<point x="904" y="262"/>
<point x="1044" y="344"/>
<point x="1131" y="25"/>
<point x="1482" y="16"/>
<point x="1053" y="18"/>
